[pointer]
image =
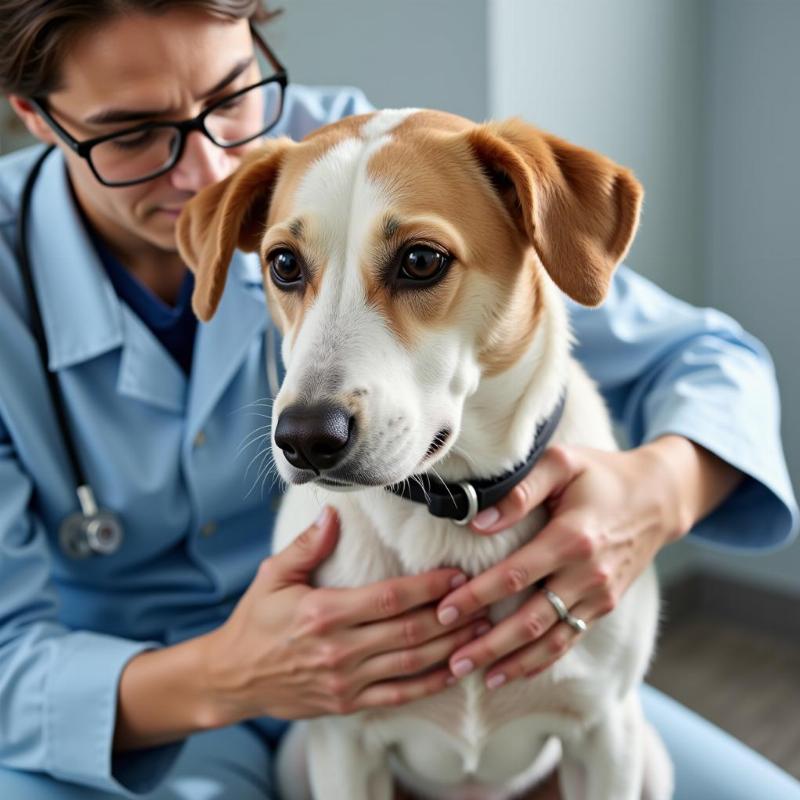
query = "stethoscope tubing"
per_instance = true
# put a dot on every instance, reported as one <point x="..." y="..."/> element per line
<point x="37" y="324"/>
<point x="90" y="513"/>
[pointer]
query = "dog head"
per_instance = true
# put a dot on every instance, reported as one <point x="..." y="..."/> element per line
<point x="405" y="255"/>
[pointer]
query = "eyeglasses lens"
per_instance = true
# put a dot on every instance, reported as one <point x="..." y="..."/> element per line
<point x="238" y="119"/>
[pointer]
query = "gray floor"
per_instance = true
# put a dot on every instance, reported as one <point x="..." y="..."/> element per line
<point x="745" y="681"/>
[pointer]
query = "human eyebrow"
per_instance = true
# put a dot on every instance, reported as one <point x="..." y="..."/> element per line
<point x="116" y="115"/>
<point x="234" y="73"/>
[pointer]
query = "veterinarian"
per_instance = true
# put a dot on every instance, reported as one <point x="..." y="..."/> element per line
<point x="143" y="650"/>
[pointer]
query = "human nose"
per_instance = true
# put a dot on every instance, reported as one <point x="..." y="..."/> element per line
<point x="201" y="164"/>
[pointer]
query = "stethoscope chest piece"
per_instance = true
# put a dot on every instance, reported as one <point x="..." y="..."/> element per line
<point x="81" y="536"/>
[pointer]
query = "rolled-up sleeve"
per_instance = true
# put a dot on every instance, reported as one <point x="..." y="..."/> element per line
<point x="58" y="688"/>
<point x="664" y="366"/>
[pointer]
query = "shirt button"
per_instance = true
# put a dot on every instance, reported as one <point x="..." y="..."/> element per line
<point x="209" y="529"/>
<point x="199" y="439"/>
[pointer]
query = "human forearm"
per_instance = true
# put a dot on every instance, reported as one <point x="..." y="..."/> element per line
<point x="162" y="697"/>
<point x="693" y="480"/>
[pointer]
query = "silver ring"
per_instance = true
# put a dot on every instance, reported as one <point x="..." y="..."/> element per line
<point x="576" y="623"/>
<point x="558" y="604"/>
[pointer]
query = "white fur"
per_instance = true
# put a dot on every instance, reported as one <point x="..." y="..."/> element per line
<point x="465" y="742"/>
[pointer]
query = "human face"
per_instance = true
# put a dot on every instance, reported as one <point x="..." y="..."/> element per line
<point x="152" y="68"/>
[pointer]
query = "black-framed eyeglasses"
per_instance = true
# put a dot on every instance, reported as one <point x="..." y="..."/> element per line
<point x="146" y="151"/>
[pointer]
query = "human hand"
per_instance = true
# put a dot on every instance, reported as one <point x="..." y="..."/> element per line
<point x="610" y="513"/>
<point x="291" y="651"/>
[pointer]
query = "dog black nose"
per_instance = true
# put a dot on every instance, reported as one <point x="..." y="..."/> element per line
<point x="314" y="437"/>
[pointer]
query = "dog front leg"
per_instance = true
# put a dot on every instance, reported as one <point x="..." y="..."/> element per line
<point x="342" y="765"/>
<point x="607" y="762"/>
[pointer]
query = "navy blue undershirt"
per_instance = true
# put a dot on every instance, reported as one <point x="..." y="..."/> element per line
<point x="174" y="327"/>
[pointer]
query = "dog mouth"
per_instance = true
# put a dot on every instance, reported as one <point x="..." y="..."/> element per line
<point x="337" y="486"/>
<point x="439" y="441"/>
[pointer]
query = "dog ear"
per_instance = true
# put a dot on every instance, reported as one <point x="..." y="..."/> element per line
<point x="577" y="208"/>
<point x="222" y="217"/>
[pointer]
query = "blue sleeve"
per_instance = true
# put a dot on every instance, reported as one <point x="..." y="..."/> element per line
<point x="58" y="688"/>
<point x="663" y="367"/>
<point x="307" y="108"/>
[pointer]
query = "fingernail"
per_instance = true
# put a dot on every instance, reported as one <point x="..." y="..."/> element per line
<point x="486" y="518"/>
<point x="495" y="681"/>
<point x="458" y="580"/>
<point x="448" y="615"/>
<point x="323" y="517"/>
<point x="483" y="629"/>
<point x="463" y="667"/>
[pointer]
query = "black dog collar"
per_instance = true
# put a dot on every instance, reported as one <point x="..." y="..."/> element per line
<point x="463" y="500"/>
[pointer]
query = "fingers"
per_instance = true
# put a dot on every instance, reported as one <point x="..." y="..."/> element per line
<point x="400" y="692"/>
<point x="535" y="658"/>
<point x="534" y="620"/>
<point x="553" y="472"/>
<point x="541" y="557"/>
<point x="388" y="598"/>
<point x="303" y="555"/>
<point x="408" y="631"/>
<point x="402" y="663"/>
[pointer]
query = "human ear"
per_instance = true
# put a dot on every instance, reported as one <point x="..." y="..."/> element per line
<point x="31" y="119"/>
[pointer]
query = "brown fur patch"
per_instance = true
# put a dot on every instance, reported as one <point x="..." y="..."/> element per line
<point x="433" y="174"/>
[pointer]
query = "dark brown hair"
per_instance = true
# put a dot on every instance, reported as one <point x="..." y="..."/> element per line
<point x="34" y="34"/>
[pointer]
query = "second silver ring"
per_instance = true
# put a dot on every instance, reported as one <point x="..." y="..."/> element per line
<point x="576" y="623"/>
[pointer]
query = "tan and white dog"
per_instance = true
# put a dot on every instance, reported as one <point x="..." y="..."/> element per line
<point x="414" y="262"/>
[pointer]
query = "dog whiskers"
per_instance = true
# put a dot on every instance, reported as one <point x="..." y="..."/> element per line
<point x="421" y="485"/>
<point x="264" y="402"/>
<point x="262" y="452"/>
<point x="253" y="437"/>
<point x="276" y="479"/>
<point x="433" y="470"/>
<point x="265" y="466"/>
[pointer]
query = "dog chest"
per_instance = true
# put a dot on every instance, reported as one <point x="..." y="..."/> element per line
<point x="470" y="734"/>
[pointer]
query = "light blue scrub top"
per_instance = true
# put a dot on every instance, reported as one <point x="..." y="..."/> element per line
<point x="163" y="451"/>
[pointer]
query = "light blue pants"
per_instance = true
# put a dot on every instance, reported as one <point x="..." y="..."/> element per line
<point x="234" y="764"/>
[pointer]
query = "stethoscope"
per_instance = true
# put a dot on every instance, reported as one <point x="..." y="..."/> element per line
<point x="92" y="530"/>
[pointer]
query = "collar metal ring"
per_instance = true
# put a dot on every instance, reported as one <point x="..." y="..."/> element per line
<point x="472" y="503"/>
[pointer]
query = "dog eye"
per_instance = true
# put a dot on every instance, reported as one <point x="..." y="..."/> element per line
<point x="284" y="267"/>
<point x="422" y="264"/>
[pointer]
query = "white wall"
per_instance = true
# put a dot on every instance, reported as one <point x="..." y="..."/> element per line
<point x="420" y="53"/>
